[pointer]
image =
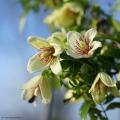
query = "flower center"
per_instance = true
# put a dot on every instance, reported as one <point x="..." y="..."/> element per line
<point x="46" y="54"/>
<point x="82" y="47"/>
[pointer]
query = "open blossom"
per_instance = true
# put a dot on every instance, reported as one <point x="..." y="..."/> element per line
<point x="82" y="45"/>
<point x="65" y="16"/>
<point x="102" y="86"/>
<point x="37" y="86"/>
<point x="48" y="53"/>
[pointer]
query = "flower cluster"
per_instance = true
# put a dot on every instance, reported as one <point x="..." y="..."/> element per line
<point x="83" y="63"/>
<point x="76" y="46"/>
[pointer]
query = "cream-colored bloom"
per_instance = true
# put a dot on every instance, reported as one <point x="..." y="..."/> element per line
<point x="48" y="55"/>
<point x="37" y="86"/>
<point x="66" y="16"/>
<point x="82" y="45"/>
<point x="102" y="86"/>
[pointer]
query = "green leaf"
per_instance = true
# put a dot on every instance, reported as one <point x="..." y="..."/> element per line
<point x="84" y="68"/>
<point x="110" y="51"/>
<point x="109" y="99"/>
<point x="95" y="113"/>
<point x="36" y="5"/>
<point x="113" y="105"/>
<point x="84" y="110"/>
<point x="116" y="24"/>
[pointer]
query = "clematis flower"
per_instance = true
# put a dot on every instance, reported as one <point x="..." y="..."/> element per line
<point x="66" y="16"/>
<point x="48" y="53"/>
<point x="102" y="86"/>
<point x="37" y="86"/>
<point x="82" y="45"/>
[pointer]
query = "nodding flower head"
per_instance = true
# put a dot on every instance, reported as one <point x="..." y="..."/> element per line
<point x="82" y="45"/>
<point x="37" y="86"/>
<point x="103" y="86"/>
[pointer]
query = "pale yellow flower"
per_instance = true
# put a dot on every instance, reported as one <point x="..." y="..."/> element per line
<point x="48" y="55"/>
<point x="82" y="45"/>
<point x="103" y="86"/>
<point x="65" y="16"/>
<point x="37" y="86"/>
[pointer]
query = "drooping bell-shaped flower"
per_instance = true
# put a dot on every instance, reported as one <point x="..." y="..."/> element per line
<point x="48" y="53"/>
<point x="82" y="45"/>
<point x="37" y="86"/>
<point x="103" y="86"/>
<point x="65" y="16"/>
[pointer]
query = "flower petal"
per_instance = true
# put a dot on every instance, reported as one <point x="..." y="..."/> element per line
<point x="32" y="82"/>
<point x="38" y="42"/>
<point x="72" y="37"/>
<point x="94" y="83"/>
<point x="57" y="41"/>
<point x="90" y="34"/>
<point x="98" y="98"/>
<point x="27" y="94"/>
<point x="34" y="64"/>
<point x="58" y="49"/>
<point x="73" y="54"/>
<point x="56" y="66"/>
<point x="107" y="80"/>
<point x="45" y="91"/>
<point x="95" y="44"/>
<point x="57" y="37"/>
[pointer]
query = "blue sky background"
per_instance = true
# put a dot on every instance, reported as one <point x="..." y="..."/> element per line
<point x="14" y="54"/>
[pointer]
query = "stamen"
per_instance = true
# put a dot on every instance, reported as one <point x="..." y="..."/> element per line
<point x="46" y="54"/>
<point x="82" y="50"/>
